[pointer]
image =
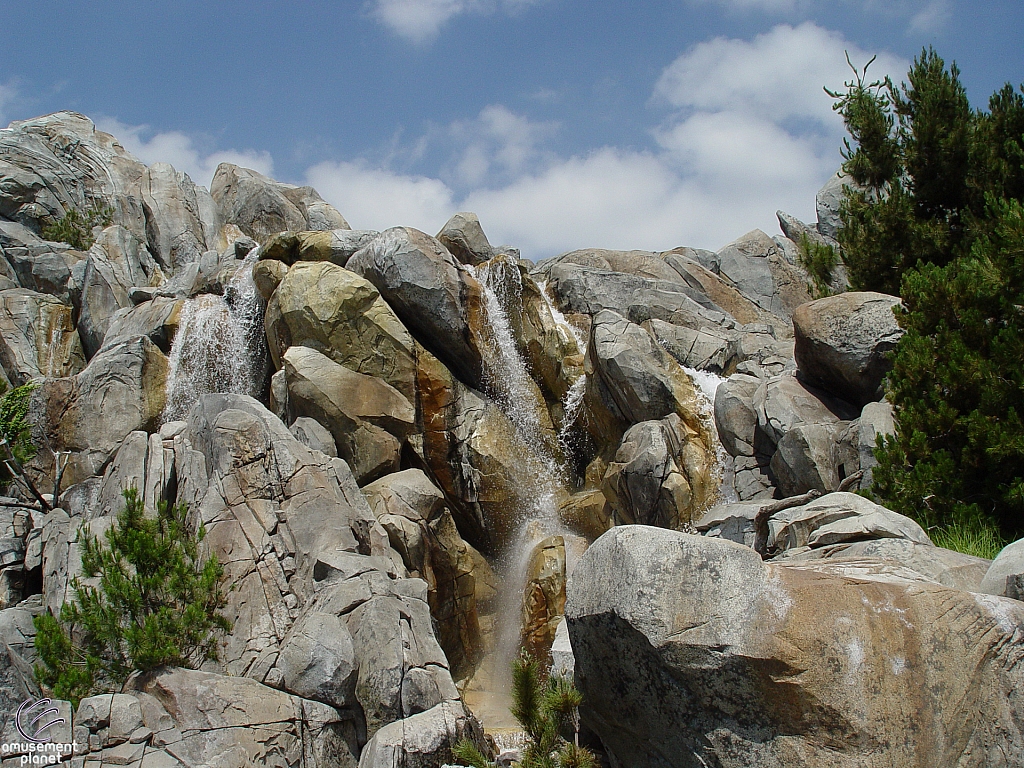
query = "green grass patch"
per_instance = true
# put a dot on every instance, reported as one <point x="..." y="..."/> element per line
<point x="971" y="537"/>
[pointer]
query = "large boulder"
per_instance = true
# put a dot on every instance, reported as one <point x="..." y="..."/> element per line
<point x="261" y="207"/>
<point x="117" y="262"/>
<point x="735" y="415"/>
<point x="661" y="474"/>
<point x="952" y="569"/>
<point x="434" y="295"/>
<point x="815" y="456"/>
<point x="465" y="238"/>
<point x="784" y="402"/>
<point x="338" y="313"/>
<point x="692" y="651"/>
<point x="843" y="343"/>
<point x="122" y="389"/>
<point x="37" y="337"/>
<point x="368" y="418"/>
<point x="631" y="378"/>
<point x="1006" y="574"/>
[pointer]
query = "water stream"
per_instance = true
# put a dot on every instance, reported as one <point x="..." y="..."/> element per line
<point x="220" y="345"/>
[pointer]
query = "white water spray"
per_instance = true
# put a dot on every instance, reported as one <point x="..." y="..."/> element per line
<point x="572" y="403"/>
<point x="706" y="385"/>
<point x="220" y="344"/>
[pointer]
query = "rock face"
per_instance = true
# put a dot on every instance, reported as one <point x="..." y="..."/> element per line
<point x="692" y="651"/>
<point x="367" y="418"/>
<point x="842" y="343"/>
<point x="89" y="414"/>
<point x="37" y="337"/>
<point x="421" y="529"/>
<point x="432" y="294"/>
<point x="261" y="207"/>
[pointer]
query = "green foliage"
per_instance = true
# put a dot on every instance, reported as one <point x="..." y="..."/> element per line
<point x="545" y="710"/>
<point x="155" y="604"/>
<point x="75" y="229"/>
<point x="818" y="259"/>
<point x="972" y="537"/>
<point x="957" y="385"/>
<point x="924" y="161"/>
<point x="14" y="429"/>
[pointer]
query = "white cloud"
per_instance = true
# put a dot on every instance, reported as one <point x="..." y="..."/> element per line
<point x="180" y="150"/>
<point x="498" y="141"/>
<point x="932" y="18"/>
<point x="375" y="198"/>
<point x="420" y="21"/>
<point x="751" y="132"/>
<point x="778" y="75"/>
<point x="922" y="16"/>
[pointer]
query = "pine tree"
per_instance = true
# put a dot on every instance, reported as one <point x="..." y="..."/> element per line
<point x="155" y="604"/>
<point x="938" y="219"/>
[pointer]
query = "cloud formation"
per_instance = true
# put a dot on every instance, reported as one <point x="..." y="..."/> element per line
<point x="420" y="21"/>
<point x="749" y="131"/>
<point x="746" y="129"/>
<point x="180" y="150"/>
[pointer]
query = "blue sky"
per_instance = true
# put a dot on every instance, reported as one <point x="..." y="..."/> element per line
<point x="562" y="123"/>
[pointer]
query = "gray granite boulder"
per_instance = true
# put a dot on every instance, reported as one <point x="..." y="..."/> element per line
<point x="368" y="418"/>
<point x="1006" y="574"/>
<point x="465" y="238"/>
<point x="37" y="337"/>
<point x="843" y="343"/>
<point x="434" y="296"/>
<point x="692" y="651"/>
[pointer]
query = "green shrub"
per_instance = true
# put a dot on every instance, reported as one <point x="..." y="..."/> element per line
<point x="818" y="259"/>
<point x="155" y="604"/>
<point x="75" y="229"/>
<point x="545" y="710"/>
<point x="15" y="431"/>
<point x="976" y="537"/>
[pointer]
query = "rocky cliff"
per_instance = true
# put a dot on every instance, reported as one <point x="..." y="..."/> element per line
<point x="406" y="449"/>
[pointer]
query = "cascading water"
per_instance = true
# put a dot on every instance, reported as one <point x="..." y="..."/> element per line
<point x="706" y="385"/>
<point x="220" y="344"/>
<point x="539" y="484"/>
<point x="572" y="403"/>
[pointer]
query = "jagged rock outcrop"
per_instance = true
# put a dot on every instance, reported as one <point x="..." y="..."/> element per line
<point x="843" y="343"/>
<point x="341" y="315"/>
<point x="433" y="294"/>
<point x="261" y="207"/>
<point x="691" y="651"/>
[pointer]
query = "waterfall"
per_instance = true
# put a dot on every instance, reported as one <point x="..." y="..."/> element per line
<point x="706" y="385"/>
<point x="572" y="403"/>
<point x="220" y="345"/>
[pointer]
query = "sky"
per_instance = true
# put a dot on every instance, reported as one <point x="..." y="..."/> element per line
<point x="563" y="124"/>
